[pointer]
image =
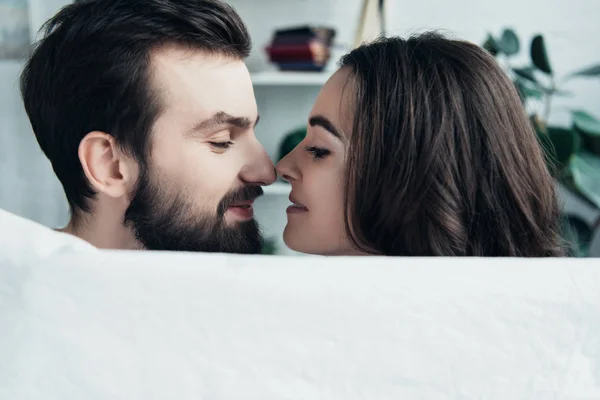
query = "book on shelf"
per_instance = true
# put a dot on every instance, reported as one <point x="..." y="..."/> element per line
<point x="301" y="48"/>
<point x="310" y="51"/>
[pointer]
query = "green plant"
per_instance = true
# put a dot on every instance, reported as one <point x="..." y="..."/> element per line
<point x="269" y="246"/>
<point x="573" y="152"/>
<point x="578" y="234"/>
<point x="290" y="141"/>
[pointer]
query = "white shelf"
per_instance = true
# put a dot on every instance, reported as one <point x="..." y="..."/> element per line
<point x="277" y="189"/>
<point x="285" y="78"/>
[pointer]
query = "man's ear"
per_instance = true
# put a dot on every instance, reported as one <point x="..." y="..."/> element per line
<point x="107" y="168"/>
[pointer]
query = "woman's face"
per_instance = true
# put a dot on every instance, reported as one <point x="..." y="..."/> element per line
<point x="315" y="169"/>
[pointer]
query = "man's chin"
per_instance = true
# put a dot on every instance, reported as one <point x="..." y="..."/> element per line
<point x="237" y="237"/>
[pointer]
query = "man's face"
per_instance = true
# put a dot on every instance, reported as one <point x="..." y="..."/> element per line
<point x="195" y="193"/>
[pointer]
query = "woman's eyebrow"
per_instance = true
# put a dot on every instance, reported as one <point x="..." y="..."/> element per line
<point x="325" y="123"/>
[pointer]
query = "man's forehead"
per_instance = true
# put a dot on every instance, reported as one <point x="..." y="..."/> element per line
<point x="197" y="82"/>
<point x="180" y="68"/>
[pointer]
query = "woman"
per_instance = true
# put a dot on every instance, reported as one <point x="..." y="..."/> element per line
<point x="420" y="147"/>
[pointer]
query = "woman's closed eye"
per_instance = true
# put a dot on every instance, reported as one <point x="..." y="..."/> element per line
<point x="221" y="145"/>
<point x="317" y="152"/>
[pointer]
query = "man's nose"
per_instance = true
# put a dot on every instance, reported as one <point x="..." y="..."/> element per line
<point x="259" y="169"/>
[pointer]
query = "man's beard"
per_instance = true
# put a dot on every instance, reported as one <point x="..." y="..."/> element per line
<point x="166" y="221"/>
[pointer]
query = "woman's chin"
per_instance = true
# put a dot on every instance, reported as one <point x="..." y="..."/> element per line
<point x="292" y="242"/>
<point x="297" y="242"/>
<point x="300" y="245"/>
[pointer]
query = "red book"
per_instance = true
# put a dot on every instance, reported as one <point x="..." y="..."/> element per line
<point x="298" y="52"/>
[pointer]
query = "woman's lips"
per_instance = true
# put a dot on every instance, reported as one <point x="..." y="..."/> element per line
<point x="296" y="207"/>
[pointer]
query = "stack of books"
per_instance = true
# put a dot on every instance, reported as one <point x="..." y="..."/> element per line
<point x="303" y="48"/>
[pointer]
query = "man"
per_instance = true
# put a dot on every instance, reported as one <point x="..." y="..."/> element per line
<point x="146" y="111"/>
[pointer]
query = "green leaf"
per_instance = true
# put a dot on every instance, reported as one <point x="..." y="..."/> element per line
<point x="538" y="124"/>
<point x="539" y="55"/>
<point x="526" y="72"/>
<point x="534" y="92"/>
<point x="527" y="90"/>
<point x="563" y="93"/>
<point x="577" y="233"/>
<point x="491" y="45"/>
<point x="554" y="91"/>
<point x="565" y="144"/>
<point x="590" y="71"/>
<point x="521" y="90"/>
<point x="586" y="122"/>
<point x="269" y="246"/>
<point x="509" y="42"/>
<point x="585" y="172"/>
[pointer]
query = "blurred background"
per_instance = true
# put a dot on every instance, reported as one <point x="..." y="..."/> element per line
<point x="551" y="48"/>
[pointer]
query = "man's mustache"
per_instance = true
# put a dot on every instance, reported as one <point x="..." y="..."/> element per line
<point x="246" y="193"/>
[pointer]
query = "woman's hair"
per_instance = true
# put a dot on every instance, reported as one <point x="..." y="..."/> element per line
<point x="442" y="158"/>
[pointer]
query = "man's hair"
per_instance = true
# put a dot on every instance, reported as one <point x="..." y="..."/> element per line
<point x="91" y="72"/>
<point x="443" y="160"/>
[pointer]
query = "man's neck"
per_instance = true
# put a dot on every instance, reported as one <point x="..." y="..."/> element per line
<point x="103" y="232"/>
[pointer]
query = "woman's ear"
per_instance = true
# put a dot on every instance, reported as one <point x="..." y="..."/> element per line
<point x="106" y="167"/>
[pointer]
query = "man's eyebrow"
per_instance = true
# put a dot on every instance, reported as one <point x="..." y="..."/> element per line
<point x="325" y="123"/>
<point x="222" y="119"/>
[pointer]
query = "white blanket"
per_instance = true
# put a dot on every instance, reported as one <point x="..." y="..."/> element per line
<point x="78" y="323"/>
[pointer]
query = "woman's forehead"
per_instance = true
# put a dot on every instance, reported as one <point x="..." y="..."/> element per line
<point x="336" y="100"/>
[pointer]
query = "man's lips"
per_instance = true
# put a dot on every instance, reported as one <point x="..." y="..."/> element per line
<point x="242" y="204"/>
<point x="242" y="209"/>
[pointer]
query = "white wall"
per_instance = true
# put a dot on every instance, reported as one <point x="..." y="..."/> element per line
<point x="571" y="29"/>
<point x="28" y="185"/>
<point x="29" y="188"/>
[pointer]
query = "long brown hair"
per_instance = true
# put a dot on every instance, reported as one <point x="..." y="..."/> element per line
<point x="442" y="159"/>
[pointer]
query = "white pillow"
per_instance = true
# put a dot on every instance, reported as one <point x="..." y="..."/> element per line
<point x="23" y="241"/>
<point x="140" y="325"/>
